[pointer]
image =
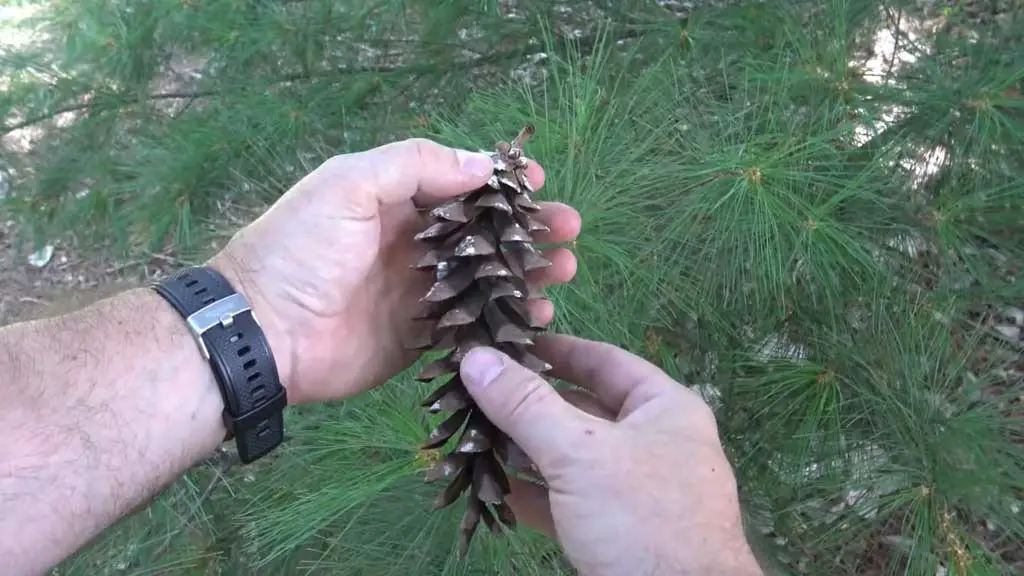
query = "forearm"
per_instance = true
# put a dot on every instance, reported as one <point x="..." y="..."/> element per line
<point x="101" y="409"/>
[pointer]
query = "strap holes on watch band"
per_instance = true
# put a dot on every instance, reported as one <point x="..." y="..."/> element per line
<point x="204" y="290"/>
<point x="247" y="379"/>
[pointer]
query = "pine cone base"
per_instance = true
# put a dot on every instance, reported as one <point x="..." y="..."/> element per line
<point x="480" y="249"/>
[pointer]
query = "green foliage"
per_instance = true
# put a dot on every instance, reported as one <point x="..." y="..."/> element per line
<point x="820" y="246"/>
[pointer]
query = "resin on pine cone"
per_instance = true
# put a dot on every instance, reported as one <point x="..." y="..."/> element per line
<point x="480" y="248"/>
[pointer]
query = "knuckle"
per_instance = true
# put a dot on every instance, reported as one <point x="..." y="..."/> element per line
<point x="337" y="159"/>
<point x="701" y="414"/>
<point x="425" y="152"/>
<point x="530" y="395"/>
<point x="705" y="414"/>
<point x="330" y="169"/>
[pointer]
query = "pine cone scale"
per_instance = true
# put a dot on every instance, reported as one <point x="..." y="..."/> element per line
<point x="505" y="329"/>
<point x="439" y="230"/>
<point x="436" y="369"/>
<point x="450" y="286"/>
<point x="458" y="485"/>
<point x="455" y="399"/>
<point x="495" y="200"/>
<point x="454" y="211"/>
<point x="513" y="232"/>
<point x="477" y="435"/>
<point x="474" y="245"/>
<point x="447" y="468"/>
<point x="515" y="309"/>
<point x="530" y="223"/>
<point x="490" y="521"/>
<point x="433" y="257"/>
<point x="504" y="289"/>
<point x="485" y="484"/>
<point x="464" y="312"/>
<point x="446" y="429"/>
<point x="525" y="202"/>
<point x="449" y="397"/>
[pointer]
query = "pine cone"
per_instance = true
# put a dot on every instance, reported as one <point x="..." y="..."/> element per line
<point x="480" y="249"/>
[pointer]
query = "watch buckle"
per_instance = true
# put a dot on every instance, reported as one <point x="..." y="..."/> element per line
<point x="221" y="312"/>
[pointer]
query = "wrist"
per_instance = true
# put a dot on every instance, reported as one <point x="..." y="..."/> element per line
<point x="279" y="339"/>
<point x="201" y="399"/>
<point x="227" y="332"/>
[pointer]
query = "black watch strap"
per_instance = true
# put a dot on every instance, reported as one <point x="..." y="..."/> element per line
<point x="231" y="339"/>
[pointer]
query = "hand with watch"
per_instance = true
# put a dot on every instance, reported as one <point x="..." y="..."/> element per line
<point x="313" y="301"/>
<point x="326" y="271"/>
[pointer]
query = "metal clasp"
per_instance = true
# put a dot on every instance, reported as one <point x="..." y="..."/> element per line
<point x="221" y="312"/>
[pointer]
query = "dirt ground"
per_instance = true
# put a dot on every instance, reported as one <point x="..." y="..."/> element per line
<point x="68" y="281"/>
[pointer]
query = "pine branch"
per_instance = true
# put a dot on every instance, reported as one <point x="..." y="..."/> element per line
<point x="128" y="101"/>
<point x="896" y="42"/>
<point x="583" y="44"/>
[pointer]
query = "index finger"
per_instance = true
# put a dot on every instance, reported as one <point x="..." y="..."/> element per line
<point x="621" y="380"/>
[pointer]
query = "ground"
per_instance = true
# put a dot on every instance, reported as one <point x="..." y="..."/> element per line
<point x="64" y="283"/>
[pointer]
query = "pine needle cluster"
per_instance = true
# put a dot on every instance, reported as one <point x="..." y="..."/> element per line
<point x="809" y="212"/>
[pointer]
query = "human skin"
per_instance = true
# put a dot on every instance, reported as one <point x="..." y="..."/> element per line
<point x="637" y="480"/>
<point x="105" y="406"/>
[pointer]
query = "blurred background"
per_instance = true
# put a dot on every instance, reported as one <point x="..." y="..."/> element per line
<point x="808" y="211"/>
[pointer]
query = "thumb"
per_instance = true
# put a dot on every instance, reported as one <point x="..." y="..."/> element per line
<point x="420" y="170"/>
<point x="520" y="403"/>
<point x="424" y="171"/>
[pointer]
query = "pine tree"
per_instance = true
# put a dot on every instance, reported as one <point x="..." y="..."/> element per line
<point x="818" y="232"/>
<point x="480" y="252"/>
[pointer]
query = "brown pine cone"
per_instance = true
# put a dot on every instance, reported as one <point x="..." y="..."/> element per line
<point x="480" y="249"/>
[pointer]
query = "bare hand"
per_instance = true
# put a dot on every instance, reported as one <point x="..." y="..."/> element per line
<point x="327" y="268"/>
<point x="638" y="482"/>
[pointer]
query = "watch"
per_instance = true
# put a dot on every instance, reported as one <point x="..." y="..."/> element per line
<point x="230" y="338"/>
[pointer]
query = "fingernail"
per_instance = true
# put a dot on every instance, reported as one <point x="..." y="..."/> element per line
<point x="480" y="367"/>
<point x="474" y="163"/>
